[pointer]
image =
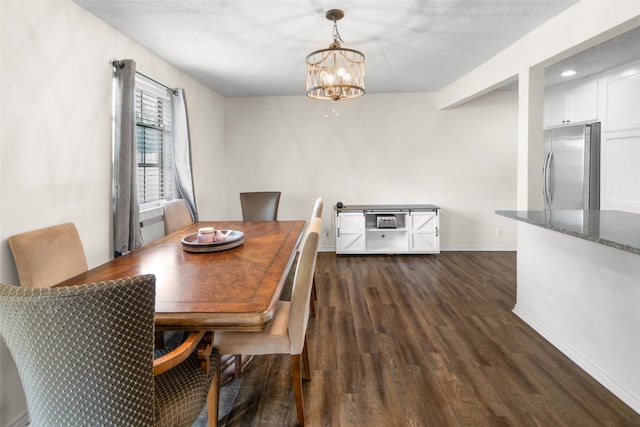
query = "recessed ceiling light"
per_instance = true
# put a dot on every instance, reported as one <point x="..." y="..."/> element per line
<point x="629" y="73"/>
<point x="568" y="73"/>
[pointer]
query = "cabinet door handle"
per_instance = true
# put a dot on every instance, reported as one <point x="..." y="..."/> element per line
<point x="437" y="231"/>
<point x="338" y="232"/>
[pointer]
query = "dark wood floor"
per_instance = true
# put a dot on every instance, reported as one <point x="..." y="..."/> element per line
<point x="423" y="341"/>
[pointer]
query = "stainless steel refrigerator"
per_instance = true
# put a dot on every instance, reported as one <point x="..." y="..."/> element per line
<point x="571" y="170"/>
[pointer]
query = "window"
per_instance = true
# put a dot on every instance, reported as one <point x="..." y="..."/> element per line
<point x="153" y="140"/>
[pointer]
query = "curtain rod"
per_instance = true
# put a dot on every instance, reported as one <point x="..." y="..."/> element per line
<point x="121" y="65"/>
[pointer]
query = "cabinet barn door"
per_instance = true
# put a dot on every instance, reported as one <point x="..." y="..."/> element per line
<point x="425" y="232"/>
<point x="350" y="232"/>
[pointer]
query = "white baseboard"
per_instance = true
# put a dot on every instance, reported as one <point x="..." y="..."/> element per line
<point x="583" y="362"/>
<point x="451" y="249"/>
<point x="21" y="421"/>
<point x="478" y="248"/>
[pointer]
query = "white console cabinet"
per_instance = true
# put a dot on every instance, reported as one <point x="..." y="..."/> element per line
<point x="350" y="232"/>
<point x="387" y="229"/>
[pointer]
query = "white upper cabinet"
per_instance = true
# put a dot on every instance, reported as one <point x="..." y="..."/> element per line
<point x="574" y="104"/>
<point x="620" y="116"/>
<point x="620" y="93"/>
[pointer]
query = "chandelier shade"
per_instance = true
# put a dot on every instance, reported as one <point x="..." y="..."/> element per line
<point x="335" y="73"/>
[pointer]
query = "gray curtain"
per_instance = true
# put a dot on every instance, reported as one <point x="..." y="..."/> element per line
<point x="126" y="214"/>
<point x="182" y="150"/>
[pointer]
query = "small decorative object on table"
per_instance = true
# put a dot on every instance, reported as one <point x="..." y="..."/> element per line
<point x="210" y="240"/>
<point x="206" y="235"/>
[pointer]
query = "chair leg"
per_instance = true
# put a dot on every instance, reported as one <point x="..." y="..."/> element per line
<point x="312" y="308"/>
<point x="296" y="378"/>
<point x="159" y="339"/>
<point x="213" y="398"/>
<point x="306" y="367"/>
<point x="313" y="287"/>
<point x="238" y="367"/>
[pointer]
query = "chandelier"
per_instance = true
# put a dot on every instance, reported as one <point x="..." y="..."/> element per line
<point x="335" y="73"/>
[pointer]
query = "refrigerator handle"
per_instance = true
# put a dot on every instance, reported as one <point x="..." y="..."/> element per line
<point x="549" y="178"/>
<point x="546" y="176"/>
<point x="544" y="179"/>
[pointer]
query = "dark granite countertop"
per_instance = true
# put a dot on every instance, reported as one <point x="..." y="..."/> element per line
<point x="386" y="207"/>
<point x="618" y="229"/>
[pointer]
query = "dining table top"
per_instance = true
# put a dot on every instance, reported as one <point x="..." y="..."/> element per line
<point x="233" y="289"/>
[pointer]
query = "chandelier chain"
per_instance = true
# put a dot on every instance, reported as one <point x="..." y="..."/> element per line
<point x="336" y="33"/>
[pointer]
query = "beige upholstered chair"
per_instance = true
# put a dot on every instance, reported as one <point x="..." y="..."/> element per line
<point x="257" y="206"/>
<point x="176" y="215"/>
<point x="286" y="334"/>
<point x="317" y="208"/>
<point x="316" y="213"/>
<point x="48" y="256"/>
<point x="260" y="205"/>
<point x="85" y="356"/>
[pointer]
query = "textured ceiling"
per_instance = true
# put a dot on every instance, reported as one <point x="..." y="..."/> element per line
<point x="611" y="53"/>
<point x="258" y="48"/>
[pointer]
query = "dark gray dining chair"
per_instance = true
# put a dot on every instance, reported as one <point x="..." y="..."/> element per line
<point x="85" y="356"/>
<point x="260" y="205"/>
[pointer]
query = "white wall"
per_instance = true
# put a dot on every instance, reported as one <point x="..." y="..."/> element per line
<point x="55" y="151"/>
<point x="583" y="298"/>
<point x="391" y="148"/>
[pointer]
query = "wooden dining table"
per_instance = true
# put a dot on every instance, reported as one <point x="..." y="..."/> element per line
<point x="235" y="289"/>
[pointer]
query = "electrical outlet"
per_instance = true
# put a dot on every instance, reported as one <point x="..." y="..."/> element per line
<point x="551" y="302"/>
<point x="499" y="233"/>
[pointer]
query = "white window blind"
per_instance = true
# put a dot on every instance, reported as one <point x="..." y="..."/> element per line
<point x="153" y="140"/>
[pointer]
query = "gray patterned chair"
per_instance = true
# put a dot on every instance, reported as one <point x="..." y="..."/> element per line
<point x="85" y="356"/>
